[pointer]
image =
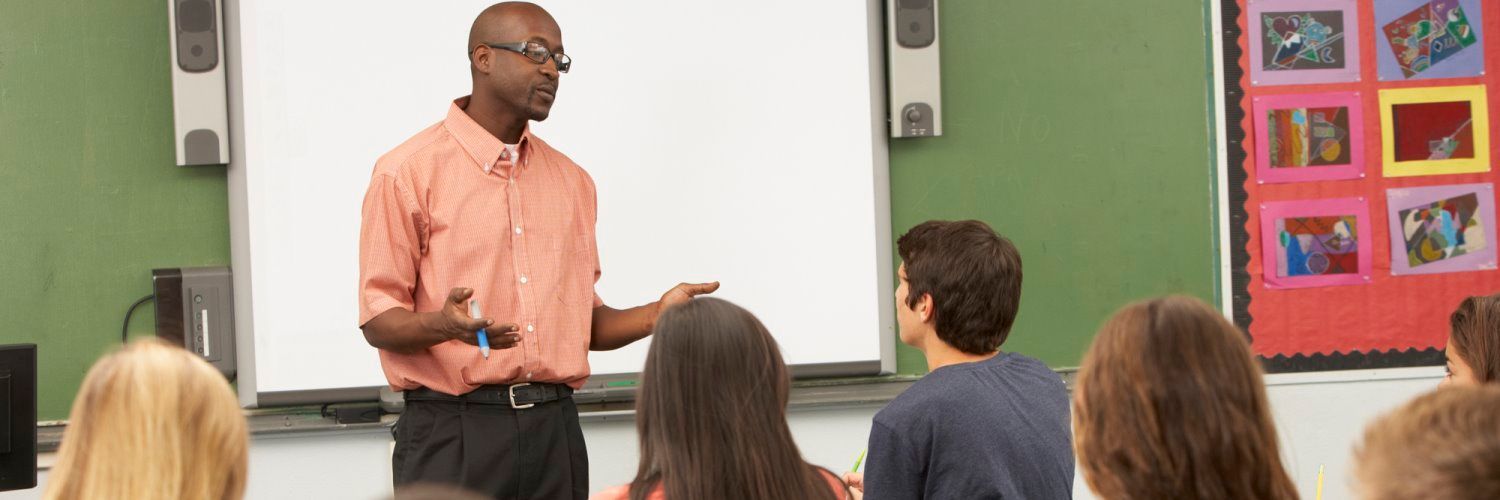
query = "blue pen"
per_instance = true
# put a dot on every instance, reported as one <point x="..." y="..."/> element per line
<point x="484" y="337"/>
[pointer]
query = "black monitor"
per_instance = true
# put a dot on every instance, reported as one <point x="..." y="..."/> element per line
<point x="17" y="417"/>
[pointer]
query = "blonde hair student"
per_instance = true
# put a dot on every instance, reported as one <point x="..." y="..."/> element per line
<point x="152" y="421"/>
<point x="1170" y="404"/>
<point x="1444" y="445"/>
<point x="1474" y="342"/>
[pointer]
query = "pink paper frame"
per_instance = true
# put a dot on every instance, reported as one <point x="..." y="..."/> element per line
<point x="1355" y="169"/>
<point x="1272" y="211"/>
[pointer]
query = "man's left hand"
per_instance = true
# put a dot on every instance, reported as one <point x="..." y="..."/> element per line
<point x="682" y="293"/>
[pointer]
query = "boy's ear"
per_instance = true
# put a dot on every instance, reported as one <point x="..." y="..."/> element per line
<point x="925" y="309"/>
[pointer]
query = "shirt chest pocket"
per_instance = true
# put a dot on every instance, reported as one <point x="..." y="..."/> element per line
<point x="562" y="250"/>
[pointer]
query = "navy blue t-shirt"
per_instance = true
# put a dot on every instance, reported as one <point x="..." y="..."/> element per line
<point x="998" y="428"/>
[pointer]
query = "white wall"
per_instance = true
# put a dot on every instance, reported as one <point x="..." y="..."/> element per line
<point x="1320" y="416"/>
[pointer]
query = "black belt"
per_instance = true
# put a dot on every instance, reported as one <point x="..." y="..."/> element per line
<point x="518" y="396"/>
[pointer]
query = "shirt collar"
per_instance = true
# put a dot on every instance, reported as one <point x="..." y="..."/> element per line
<point x="482" y="146"/>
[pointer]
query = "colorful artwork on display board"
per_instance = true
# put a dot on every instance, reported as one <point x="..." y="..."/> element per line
<point x="1313" y="243"/>
<point x="1309" y="137"/>
<point x="1442" y="229"/>
<point x="1359" y="199"/>
<point x="1429" y="39"/>
<point x="1434" y="130"/>
<point x="1303" y="41"/>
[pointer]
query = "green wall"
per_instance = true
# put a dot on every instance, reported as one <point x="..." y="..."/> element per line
<point x="1079" y="129"/>
<point x="90" y="197"/>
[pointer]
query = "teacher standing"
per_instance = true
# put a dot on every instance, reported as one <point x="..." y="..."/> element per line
<point x="477" y="208"/>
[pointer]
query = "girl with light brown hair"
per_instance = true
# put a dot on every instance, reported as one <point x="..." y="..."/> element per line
<point x="1444" y="445"/>
<point x="1170" y="403"/>
<point x="152" y="421"/>
<point x="1474" y="342"/>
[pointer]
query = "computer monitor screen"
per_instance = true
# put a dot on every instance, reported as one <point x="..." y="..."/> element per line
<point x="17" y="417"/>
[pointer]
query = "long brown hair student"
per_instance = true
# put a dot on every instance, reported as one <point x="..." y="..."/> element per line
<point x="711" y="412"/>
<point x="1474" y="342"/>
<point x="1170" y="404"/>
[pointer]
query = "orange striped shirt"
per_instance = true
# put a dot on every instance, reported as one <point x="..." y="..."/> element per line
<point x="451" y="207"/>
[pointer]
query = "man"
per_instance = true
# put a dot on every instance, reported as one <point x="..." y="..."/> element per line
<point x="982" y="423"/>
<point x="477" y="208"/>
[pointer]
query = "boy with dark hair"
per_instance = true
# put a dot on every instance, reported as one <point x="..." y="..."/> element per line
<point x="982" y="423"/>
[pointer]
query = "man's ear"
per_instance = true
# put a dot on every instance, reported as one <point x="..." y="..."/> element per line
<point x="481" y="58"/>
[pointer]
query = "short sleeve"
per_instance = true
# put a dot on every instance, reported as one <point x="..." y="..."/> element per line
<point x="891" y="467"/>
<point x="392" y="236"/>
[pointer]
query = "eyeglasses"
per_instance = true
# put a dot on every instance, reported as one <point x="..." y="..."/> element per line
<point x="536" y="52"/>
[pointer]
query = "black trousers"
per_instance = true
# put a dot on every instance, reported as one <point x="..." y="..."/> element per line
<point x="531" y="453"/>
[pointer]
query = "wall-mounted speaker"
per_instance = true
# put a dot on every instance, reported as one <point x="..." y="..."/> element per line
<point x="200" y="102"/>
<point x="915" y="85"/>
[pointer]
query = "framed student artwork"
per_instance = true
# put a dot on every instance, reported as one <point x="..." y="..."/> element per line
<point x="1309" y="243"/>
<point x="1308" y="137"/>
<point x="1442" y="229"/>
<point x="1303" y="41"/>
<point x="1434" y="130"/>
<point x="1422" y="39"/>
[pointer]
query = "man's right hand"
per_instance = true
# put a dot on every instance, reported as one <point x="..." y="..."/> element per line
<point x="453" y="323"/>
<point x="400" y="330"/>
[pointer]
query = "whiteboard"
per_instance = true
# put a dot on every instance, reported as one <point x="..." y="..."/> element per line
<point x="752" y="153"/>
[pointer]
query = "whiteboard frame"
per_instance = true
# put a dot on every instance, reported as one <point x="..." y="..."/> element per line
<point x="240" y="249"/>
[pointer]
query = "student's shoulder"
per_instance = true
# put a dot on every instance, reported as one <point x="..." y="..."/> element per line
<point x="408" y="155"/>
<point x="928" y="397"/>
<point x="1032" y="368"/>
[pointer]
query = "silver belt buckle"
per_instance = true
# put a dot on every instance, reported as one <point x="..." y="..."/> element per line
<point x="512" y="391"/>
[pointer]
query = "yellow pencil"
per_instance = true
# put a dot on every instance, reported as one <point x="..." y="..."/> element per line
<point x="1320" y="482"/>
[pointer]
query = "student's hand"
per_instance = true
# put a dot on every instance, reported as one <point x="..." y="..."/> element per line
<point x="682" y="293"/>
<point x="453" y="323"/>
<point x="856" y="482"/>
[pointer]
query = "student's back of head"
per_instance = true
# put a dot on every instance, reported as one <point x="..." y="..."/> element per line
<point x="1170" y="404"/>
<point x="1444" y="445"/>
<point x="711" y="411"/>
<point x="152" y="421"/>
<point x="973" y="276"/>
<point x="1474" y="342"/>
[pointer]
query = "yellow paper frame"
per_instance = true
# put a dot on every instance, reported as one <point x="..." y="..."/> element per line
<point x="1478" y="109"/>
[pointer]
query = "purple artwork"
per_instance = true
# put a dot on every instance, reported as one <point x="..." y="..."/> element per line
<point x="1429" y="39"/>
<point x="1442" y="229"/>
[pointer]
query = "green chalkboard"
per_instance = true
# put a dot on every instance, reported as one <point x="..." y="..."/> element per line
<point x="90" y="197"/>
<point x="1079" y="129"/>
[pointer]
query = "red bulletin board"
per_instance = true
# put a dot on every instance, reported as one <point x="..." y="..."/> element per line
<point x="1381" y="320"/>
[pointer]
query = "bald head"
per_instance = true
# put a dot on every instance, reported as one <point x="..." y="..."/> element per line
<point x="513" y="81"/>
<point x="509" y="22"/>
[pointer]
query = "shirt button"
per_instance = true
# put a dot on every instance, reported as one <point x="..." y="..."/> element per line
<point x="523" y="280"/>
<point x="518" y="229"/>
<point x="530" y="328"/>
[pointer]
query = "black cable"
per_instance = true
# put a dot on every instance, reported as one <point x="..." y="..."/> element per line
<point x="125" y="330"/>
